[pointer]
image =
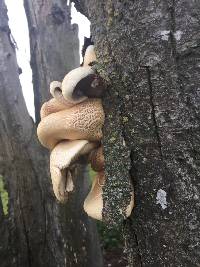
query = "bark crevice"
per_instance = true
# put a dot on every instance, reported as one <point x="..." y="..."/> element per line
<point x="173" y="29"/>
<point x="159" y="113"/>
<point x="153" y="112"/>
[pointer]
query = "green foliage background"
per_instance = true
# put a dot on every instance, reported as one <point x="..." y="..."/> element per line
<point x="109" y="238"/>
<point x="4" y="196"/>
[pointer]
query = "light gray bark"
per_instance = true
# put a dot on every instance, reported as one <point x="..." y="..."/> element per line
<point x="54" y="45"/>
<point x="41" y="232"/>
<point x="149" y="52"/>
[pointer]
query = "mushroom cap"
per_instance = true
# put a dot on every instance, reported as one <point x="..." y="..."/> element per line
<point x="130" y="206"/>
<point x="56" y="92"/>
<point x="82" y="121"/>
<point x="52" y="106"/>
<point x="77" y="82"/>
<point x="53" y="86"/>
<point x="71" y="80"/>
<point x="93" y="204"/>
<point x="90" y="55"/>
<point x="62" y="156"/>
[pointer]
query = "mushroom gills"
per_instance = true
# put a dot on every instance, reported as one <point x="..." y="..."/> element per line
<point x="69" y="185"/>
<point x="62" y="156"/>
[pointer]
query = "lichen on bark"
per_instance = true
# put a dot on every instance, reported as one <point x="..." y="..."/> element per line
<point x="148" y="51"/>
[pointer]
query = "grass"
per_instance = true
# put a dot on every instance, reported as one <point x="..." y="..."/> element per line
<point x="92" y="173"/>
<point x="4" y="196"/>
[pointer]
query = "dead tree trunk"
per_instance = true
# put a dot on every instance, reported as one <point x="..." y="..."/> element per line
<point x="54" y="45"/>
<point x="4" y="250"/>
<point x="41" y="232"/>
<point x="150" y="55"/>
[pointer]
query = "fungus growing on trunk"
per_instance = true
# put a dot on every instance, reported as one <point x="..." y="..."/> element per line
<point x="71" y="127"/>
<point x="62" y="157"/>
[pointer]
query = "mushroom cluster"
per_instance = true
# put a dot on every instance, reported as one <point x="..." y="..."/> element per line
<point x="71" y="127"/>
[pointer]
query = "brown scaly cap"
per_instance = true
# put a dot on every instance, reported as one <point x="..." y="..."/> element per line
<point x="82" y="121"/>
<point x="51" y="106"/>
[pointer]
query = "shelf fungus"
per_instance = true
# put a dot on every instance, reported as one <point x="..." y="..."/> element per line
<point x="71" y="127"/>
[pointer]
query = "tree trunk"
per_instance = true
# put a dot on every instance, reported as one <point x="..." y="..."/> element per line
<point x="4" y="239"/>
<point x="41" y="232"/>
<point x="149" y="53"/>
<point x="54" y="45"/>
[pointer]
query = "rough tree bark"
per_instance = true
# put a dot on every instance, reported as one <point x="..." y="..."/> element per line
<point x="41" y="232"/>
<point x="149" y="53"/>
<point x="4" y="237"/>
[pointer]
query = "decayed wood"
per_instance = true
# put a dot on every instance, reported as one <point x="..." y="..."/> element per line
<point x="41" y="232"/>
<point x="149" y="53"/>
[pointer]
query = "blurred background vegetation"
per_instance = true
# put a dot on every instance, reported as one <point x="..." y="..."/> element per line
<point x="109" y="238"/>
<point x="4" y="196"/>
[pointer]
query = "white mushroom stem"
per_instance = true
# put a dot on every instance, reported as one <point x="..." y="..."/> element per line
<point x="62" y="156"/>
